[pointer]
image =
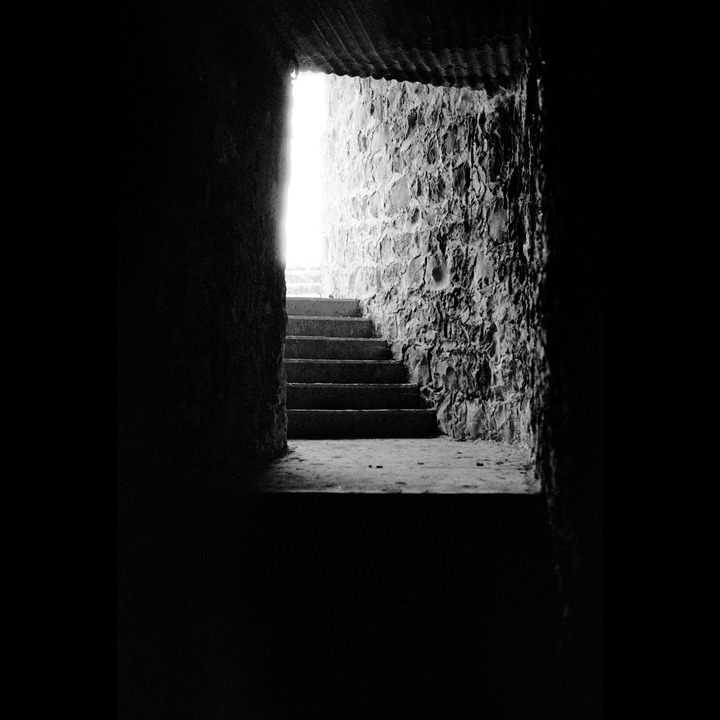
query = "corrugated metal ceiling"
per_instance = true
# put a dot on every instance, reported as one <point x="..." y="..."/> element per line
<point x="458" y="43"/>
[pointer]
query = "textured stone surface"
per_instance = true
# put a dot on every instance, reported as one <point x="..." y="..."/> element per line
<point x="570" y="422"/>
<point x="201" y="317"/>
<point x="429" y="221"/>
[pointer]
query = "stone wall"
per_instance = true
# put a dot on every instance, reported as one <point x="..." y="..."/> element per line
<point x="202" y="113"/>
<point x="201" y="317"/>
<point x="429" y="220"/>
<point x="567" y="52"/>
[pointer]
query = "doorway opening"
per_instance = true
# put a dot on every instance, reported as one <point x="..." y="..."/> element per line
<point x="303" y="220"/>
<point x="429" y="252"/>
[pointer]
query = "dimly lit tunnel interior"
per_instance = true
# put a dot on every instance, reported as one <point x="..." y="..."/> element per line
<point x="464" y="213"/>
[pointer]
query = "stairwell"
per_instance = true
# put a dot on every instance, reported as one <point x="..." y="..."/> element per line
<point x="342" y="381"/>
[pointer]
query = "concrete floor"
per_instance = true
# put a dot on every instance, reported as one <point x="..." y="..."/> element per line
<point x="425" y="465"/>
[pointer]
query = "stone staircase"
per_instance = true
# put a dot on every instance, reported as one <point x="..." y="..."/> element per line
<point x="342" y="381"/>
<point x="303" y="282"/>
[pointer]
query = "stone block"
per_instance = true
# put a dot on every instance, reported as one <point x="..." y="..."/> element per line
<point x="399" y="195"/>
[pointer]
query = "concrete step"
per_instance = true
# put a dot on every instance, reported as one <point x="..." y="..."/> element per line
<point x="353" y="396"/>
<point x="302" y="276"/>
<point x="313" y="290"/>
<point x="322" y="307"/>
<point x="334" y="348"/>
<point x="330" y="326"/>
<point x="344" y="371"/>
<point x="361" y="423"/>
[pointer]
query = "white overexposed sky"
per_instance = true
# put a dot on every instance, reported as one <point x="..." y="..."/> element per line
<point x="303" y="218"/>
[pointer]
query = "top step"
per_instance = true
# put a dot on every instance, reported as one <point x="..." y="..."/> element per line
<point x="322" y="307"/>
<point x="303" y="276"/>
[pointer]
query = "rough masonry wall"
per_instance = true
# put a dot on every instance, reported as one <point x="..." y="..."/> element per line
<point x="200" y="329"/>
<point x="201" y="317"/>
<point x="567" y="52"/>
<point x="429" y="221"/>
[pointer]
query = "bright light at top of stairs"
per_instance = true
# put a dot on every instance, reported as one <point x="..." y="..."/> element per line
<point x="303" y="218"/>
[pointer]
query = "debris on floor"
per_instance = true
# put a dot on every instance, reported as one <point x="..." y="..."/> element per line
<point x="402" y="465"/>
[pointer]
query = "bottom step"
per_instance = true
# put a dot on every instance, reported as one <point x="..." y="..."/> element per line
<point x="361" y="423"/>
